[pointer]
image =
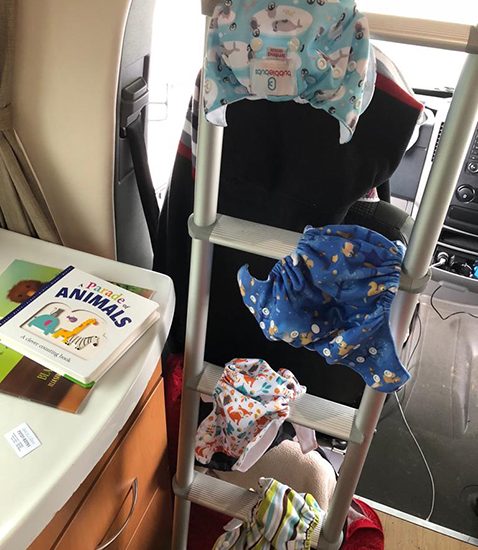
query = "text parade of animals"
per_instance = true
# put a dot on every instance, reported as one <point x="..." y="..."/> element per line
<point x="100" y="297"/>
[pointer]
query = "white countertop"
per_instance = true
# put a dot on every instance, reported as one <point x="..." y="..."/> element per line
<point x="35" y="487"/>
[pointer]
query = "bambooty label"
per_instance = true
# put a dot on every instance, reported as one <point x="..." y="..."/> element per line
<point x="274" y="77"/>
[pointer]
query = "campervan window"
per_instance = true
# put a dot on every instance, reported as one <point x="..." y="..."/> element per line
<point x="175" y="63"/>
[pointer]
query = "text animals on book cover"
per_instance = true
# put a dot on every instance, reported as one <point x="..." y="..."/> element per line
<point x="81" y="331"/>
<point x="78" y="324"/>
<point x="21" y="376"/>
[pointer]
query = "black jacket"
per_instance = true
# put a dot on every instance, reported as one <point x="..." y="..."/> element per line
<point x="282" y="165"/>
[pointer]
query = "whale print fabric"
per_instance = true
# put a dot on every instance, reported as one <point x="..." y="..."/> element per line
<point x="309" y="51"/>
<point x="332" y="295"/>
<point x="251" y="402"/>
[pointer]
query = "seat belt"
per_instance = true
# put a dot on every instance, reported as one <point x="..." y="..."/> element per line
<point x="134" y="99"/>
<point x="385" y="192"/>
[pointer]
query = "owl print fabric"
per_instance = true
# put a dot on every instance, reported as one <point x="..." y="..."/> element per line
<point x="251" y="401"/>
<point x="309" y="51"/>
<point x="333" y="295"/>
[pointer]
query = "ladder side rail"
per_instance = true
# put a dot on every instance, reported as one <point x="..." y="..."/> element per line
<point x="366" y="420"/>
<point x="457" y="132"/>
<point x="454" y="143"/>
<point x="208" y="166"/>
<point x="409" y="30"/>
<point x="424" y="237"/>
<point x="424" y="32"/>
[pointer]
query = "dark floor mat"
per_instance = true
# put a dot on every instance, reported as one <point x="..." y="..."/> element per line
<point x="441" y="406"/>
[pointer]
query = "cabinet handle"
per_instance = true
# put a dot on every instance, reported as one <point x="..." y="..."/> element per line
<point x="134" y="488"/>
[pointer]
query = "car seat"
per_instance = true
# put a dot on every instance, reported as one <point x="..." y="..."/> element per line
<point x="282" y="165"/>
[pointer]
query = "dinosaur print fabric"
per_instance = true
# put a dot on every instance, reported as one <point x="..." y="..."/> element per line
<point x="251" y="401"/>
<point x="309" y="51"/>
<point x="333" y="295"/>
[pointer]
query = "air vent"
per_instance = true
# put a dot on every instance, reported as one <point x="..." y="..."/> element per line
<point x="438" y="140"/>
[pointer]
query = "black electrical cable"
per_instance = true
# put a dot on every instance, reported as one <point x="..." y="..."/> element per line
<point x="399" y="402"/>
<point x="402" y="391"/>
<point x="444" y="318"/>
<point x="416" y="319"/>
<point x="415" y="347"/>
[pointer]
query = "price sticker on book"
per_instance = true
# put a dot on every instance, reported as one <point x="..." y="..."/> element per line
<point x="22" y="440"/>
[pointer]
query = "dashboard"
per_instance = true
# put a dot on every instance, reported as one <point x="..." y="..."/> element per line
<point x="458" y="241"/>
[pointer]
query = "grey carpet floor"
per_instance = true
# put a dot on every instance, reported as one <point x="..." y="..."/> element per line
<point x="441" y="406"/>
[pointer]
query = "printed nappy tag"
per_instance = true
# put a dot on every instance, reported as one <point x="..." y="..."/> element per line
<point x="273" y="77"/>
<point x="22" y="439"/>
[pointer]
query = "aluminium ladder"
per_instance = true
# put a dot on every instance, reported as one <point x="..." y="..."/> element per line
<point x="208" y="228"/>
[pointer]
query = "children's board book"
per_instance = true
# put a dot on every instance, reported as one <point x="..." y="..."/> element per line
<point x="22" y="377"/>
<point x="76" y="325"/>
<point x="19" y="375"/>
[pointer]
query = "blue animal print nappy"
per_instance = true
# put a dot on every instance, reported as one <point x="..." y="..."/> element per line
<point x="332" y="295"/>
<point x="309" y="51"/>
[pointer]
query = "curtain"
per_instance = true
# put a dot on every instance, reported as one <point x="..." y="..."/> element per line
<point x="23" y="208"/>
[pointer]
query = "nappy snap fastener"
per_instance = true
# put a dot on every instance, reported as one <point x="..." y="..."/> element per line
<point x="264" y="45"/>
<point x="313" y="304"/>
<point x="336" y="72"/>
<point x="256" y="44"/>
<point x="358" y="104"/>
<point x="294" y="44"/>
<point x="258" y="402"/>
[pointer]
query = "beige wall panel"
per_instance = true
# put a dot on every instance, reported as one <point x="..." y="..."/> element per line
<point x="403" y="535"/>
<point x="65" y="84"/>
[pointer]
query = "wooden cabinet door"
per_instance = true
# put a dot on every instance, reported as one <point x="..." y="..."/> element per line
<point x="141" y="455"/>
<point x="154" y="531"/>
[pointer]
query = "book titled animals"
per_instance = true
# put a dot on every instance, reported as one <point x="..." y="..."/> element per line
<point x="78" y="325"/>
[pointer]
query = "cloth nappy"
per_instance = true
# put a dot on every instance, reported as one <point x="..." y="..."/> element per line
<point x="282" y="519"/>
<point x="333" y="295"/>
<point x="251" y="401"/>
<point x="309" y="51"/>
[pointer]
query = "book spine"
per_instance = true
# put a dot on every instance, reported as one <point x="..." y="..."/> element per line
<point x="37" y="294"/>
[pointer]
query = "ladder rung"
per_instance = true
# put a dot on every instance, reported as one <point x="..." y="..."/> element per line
<point x="256" y="238"/>
<point x="227" y="498"/>
<point x="322" y="415"/>
<point x="221" y="496"/>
